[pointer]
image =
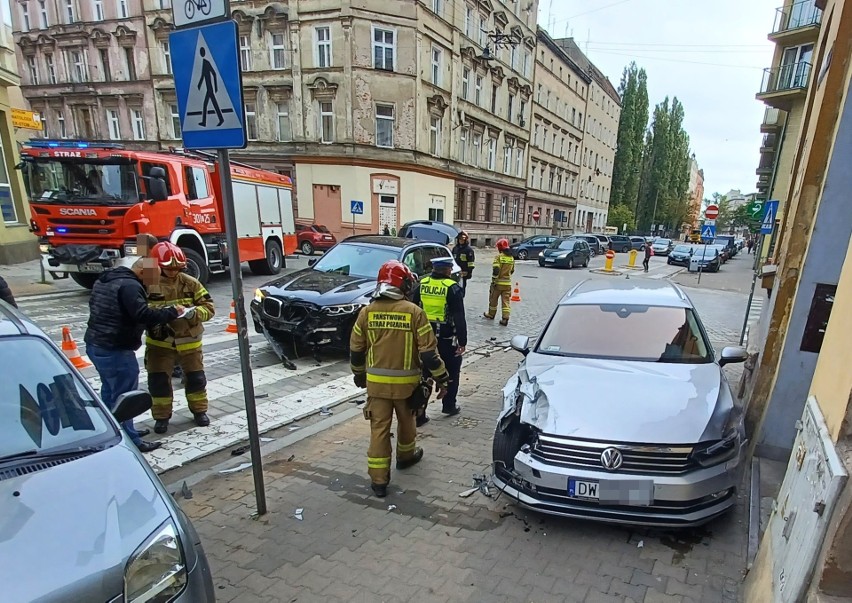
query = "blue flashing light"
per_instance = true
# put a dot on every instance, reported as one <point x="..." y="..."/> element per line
<point x="62" y="230"/>
<point x="70" y="144"/>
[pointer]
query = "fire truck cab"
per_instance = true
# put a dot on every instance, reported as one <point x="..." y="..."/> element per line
<point x="89" y="201"/>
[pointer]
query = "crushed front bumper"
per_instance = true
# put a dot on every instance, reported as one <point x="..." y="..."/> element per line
<point x="84" y="258"/>
<point x="297" y="322"/>
<point x="678" y="501"/>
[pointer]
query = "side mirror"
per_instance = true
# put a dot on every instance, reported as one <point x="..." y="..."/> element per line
<point x="312" y="262"/>
<point x="132" y="404"/>
<point x="733" y="355"/>
<point x="521" y="343"/>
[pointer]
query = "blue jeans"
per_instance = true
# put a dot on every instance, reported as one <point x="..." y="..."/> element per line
<point x="119" y="372"/>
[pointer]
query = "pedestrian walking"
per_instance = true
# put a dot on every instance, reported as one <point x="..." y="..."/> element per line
<point x="465" y="257"/>
<point x="390" y="343"/>
<point x="6" y="293"/>
<point x="502" y="269"/>
<point x="179" y="342"/>
<point x="649" y="251"/>
<point x="442" y="299"/>
<point x="749" y="245"/>
<point x="118" y="315"/>
<point x="386" y="230"/>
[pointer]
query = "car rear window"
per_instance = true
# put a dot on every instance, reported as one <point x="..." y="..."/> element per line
<point x="626" y="332"/>
<point x="320" y="228"/>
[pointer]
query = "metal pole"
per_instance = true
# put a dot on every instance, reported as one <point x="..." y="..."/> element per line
<point x="751" y="293"/>
<point x="654" y="216"/>
<point x="242" y="331"/>
<point x="703" y="255"/>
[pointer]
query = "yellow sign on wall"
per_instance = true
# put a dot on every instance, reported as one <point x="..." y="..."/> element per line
<point x="21" y="118"/>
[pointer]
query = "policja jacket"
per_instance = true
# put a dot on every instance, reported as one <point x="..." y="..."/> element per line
<point x="443" y="301"/>
<point x="390" y="341"/>
<point x="183" y="334"/>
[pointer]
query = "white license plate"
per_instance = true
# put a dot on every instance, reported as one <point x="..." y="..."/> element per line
<point x="583" y="489"/>
<point x="549" y="260"/>
<point x="91" y="268"/>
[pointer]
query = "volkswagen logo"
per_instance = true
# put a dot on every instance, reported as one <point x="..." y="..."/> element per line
<point x="611" y="459"/>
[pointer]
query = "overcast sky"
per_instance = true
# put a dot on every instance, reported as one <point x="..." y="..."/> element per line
<point x="708" y="54"/>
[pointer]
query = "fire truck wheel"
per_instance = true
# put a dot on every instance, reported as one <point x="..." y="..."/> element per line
<point x="272" y="263"/>
<point x="84" y="280"/>
<point x="195" y="265"/>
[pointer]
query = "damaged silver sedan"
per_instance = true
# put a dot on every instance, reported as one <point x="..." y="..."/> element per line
<point x="621" y="412"/>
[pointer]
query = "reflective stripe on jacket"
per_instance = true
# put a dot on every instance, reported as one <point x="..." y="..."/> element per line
<point x="502" y="269"/>
<point x="185" y="333"/>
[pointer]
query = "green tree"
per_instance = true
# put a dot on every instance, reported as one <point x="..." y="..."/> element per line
<point x="631" y="131"/>
<point x="619" y="215"/>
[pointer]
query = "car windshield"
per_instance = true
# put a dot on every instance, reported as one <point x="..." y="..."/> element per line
<point x="65" y="181"/>
<point x="662" y="241"/>
<point x="709" y="252"/>
<point x="43" y="405"/>
<point x="682" y="249"/>
<point x="356" y="260"/>
<point x="626" y="332"/>
<point x="562" y="244"/>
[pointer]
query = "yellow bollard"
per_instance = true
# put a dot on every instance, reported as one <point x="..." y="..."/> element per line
<point x="631" y="263"/>
<point x="610" y="256"/>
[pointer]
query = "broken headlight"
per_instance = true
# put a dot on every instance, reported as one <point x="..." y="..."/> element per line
<point x="259" y="295"/>
<point x="719" y="451"/>
<point x="342" y="309"/>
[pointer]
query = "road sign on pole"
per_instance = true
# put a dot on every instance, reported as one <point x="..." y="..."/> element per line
<point x="536" y="215"/>
<point x="712" y="212"/>
<point x="708" y="231"/>
<point x="770" y="209"/>
<point x="209" y="86"/>
<point x="356" y="207"/>
<point x="189" y="13"/>
<point x="755" y="209"/>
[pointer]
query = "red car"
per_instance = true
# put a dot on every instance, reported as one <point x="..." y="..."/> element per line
<point x="314" y="236"/>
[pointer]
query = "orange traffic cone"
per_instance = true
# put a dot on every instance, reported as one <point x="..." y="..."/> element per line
<point x="69" y="348"/>
<point x="516" y="294"/>
<point x="232" y="321"/>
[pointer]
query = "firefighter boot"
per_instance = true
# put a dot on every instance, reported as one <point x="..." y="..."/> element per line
<point x="413" y="460"/>
<point x="380" y="490"/>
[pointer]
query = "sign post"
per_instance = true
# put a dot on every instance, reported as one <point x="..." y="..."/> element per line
<point x="356" y="208"/>
<point x="768" y="211"/>
<point x="209" y="89"/>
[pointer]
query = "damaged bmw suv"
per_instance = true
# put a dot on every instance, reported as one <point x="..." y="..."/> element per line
<point x="317" y="306"/>
<point x="621" y="412"/>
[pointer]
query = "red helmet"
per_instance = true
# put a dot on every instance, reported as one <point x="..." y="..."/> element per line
<point x="396" y="274"/>
<point x="169" y="255"/>
<point x="502" y="244"/>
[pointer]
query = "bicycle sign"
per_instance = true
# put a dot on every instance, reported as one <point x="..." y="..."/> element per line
<point x="188" y="13"/>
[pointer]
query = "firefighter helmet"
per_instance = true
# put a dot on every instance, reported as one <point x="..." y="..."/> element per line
<point x="169" y="255"/>
<point x="396" y="274"/>
<point x="502" y="244"/>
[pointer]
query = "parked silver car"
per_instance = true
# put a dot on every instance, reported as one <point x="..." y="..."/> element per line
<point x="621" y="411"/>
<point x="84" y="517"/>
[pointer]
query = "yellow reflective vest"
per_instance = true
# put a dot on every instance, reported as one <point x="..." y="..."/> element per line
<point x="433" y="297"/>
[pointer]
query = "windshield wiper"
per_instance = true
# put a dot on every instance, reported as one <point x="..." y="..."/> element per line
<point x="41" y="454"/>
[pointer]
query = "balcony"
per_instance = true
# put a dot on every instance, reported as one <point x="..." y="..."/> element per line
<point x="769" y="143"/>
<point x="773" y="121"/>
<point x="764" y="168"/>
<point x="784" y="85"/>
<point x="796" y="24"/>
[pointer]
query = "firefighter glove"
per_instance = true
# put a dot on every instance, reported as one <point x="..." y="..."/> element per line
<point x="360" y="380"/>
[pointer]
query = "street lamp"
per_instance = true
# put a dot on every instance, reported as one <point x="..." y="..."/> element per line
<point x="654" y="214"/>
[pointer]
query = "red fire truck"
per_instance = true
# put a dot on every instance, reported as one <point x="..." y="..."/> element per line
<point x="89" y="201"/>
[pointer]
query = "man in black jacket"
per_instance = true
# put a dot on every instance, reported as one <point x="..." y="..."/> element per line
<point x="6" y="293"/>
<point x="465" y="258"/>
<point x="118" y="315"/>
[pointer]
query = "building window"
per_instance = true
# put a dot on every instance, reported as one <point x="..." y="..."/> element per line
<point x="25" y="17"/>
<point x="463" y="145"/>
<point x="437" y="54"/>
<point x="489" y="207"/>
<point x="98" y="9"/>
<point x="60" y="122"/>
<point x="435" y="124"/>
<point x="33" y="66"/>
<point x="507" y="157"/>
<point x="437" y="6"/>
<point x="468" y="20"/>
<point x="70" y="13"/>
<point x="175" y="121"/>
<point x="322" y="36"/>
<point x="510" y="107"/>
<point x="477" y="147"/>
<point x="105" y="69"/>
<point x="515" y="208"/>
<point x="460" y="201"/>
<point x="278" y="51"/>
<point x="326" y="123"/>
<point x="122" y="11"/>
<point x="251" y="121"/>
<point x="167" y="56"/>
<point x="384" y="126"/>
<point x="245" y="53"/>
<point x="533" y="171"/>
<point x="526" y="66"/>
<point x="51" y="68"/>
<point x="492" y="154"/>
<point x="436" y="214"/>
<point x="477" y="91"/>
<point x="112" y="124"/>
<point x="504" y="209"/>
<point x="42" y="14"/>
<point x="7" y="202"/>
<point x="284" y="134"/>
<point x="465" y="83"/>
<point x="521" y="112"/>
<point x="519" y="158"/>
<point x="131" y="63"/>
<point x="384" y="49"/>
<point x="494" y="93"/>
<point x="76" y="66"/>
<point x="535" y="135"/>
<point x="138" y="124"/>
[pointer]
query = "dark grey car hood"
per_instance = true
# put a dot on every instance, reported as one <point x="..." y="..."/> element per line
<point x="69" y="533"/>
<point x="621" y="401"/>
<point x="321" y="288"/>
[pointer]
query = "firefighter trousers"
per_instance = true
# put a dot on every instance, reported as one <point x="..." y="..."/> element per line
<point x="380" y="411"/>
<point x="503" y="293"/>
<point x="160" y="362"/>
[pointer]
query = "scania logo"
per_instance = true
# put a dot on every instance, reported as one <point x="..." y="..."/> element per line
<point x="611" y="459"/>
<point x="67" y="211"/>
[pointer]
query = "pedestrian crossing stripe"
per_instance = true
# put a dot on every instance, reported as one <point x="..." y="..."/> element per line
<point x="208" y="104"/>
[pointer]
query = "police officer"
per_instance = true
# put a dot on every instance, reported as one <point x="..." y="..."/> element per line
<point x="465" y="257"/>
<point x="502" y="269"/>
<point x="391" y="339"/>
<point x="442" y="299"/>
<point x="180" y="341"/>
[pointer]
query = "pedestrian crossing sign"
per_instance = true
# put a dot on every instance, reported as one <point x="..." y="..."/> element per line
<point x="708" y="231"/>
<point x="209" y="88"/>
<point x="770" y="209"/>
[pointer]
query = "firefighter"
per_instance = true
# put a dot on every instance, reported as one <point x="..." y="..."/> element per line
<point x="391" y="340"/>
<point x="465" y="258"/>
<point x="501" y="282"/>
<point x="442" y="299"/>
<point x="179" y="342"/>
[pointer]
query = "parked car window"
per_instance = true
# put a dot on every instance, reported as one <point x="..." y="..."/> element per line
<point x="320" y="228"/>
<point x="710" y="252"/>
<point x="562" y="244"/>
<point x="683" y="249"/>
<point x="355" y="260"/>
<point x="430" y="252"/>
<point x="626" y="332"/>
<point x="43" y="406"/>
